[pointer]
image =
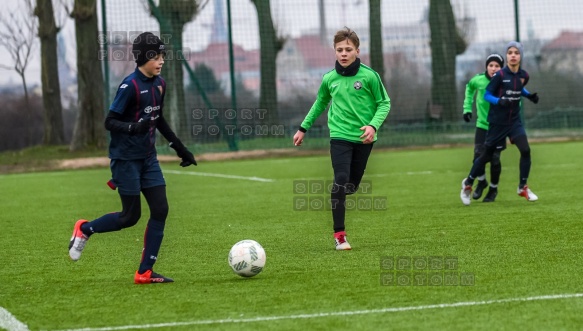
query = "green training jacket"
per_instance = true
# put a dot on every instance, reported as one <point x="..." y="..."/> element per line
<point x="478" y="83"/>
<point x="357" y="101"/>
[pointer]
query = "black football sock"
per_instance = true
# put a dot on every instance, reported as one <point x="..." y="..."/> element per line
<point x="338" y="205"/>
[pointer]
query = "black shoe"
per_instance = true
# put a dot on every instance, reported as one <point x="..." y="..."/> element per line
<point x="482" y="184"/>
<point x="491" y="195"/>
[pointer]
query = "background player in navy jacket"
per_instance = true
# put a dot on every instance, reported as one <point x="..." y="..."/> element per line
<point x="133" y="118"/>
<point x="504" y="93"/>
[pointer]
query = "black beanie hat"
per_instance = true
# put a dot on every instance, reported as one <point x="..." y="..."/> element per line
<point x="496" y="58"/>
<point x="146" y="46"/>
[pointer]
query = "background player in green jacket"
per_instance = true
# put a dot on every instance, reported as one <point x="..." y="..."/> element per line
<point x="477" y="85"/>
<point x="359" y="106"/>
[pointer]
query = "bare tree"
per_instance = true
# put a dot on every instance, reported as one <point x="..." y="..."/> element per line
<point x="446" y="44"/>
<point x="88" y="131"/>
<point x="172" y="15"/>
<point x="53" y="109"/>
<point x="270" y="45"/>
<point x="18" y="37"/>
<point x="376" y="38"/>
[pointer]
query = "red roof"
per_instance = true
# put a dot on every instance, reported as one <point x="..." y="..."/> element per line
<point x="216" y="56"/>
<point x="314" y="52"/>
<point x="317" y="55"/>
<point x="567" y="40"/>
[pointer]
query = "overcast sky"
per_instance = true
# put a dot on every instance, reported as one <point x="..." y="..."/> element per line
<point x="494" y="21"/>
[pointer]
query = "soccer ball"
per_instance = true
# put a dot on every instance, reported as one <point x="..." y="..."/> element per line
<point x="247" y="258"/>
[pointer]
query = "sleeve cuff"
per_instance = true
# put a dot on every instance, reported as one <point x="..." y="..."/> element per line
<point x="302" y="129"/>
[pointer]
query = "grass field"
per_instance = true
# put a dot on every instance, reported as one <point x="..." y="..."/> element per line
<point x="518" y="264"/>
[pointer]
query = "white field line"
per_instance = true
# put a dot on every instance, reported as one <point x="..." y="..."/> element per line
<point x="409" y="173"/>
<point x="10" y="323"/>
<point x="208" y="174"/>
<point x="177" y="172"/>
<point x="334" y="314"/>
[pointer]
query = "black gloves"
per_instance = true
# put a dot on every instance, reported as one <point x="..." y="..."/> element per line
<point x="467" y="117"/>
<point x="533" y="97"/>
<point x="183" y="153"/>
<point x="504" y="102"/>
<point x="138" y="127"/>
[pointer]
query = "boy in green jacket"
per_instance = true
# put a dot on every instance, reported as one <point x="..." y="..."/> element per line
<point x="477" y="85"/>
<point x="359" y="106"/>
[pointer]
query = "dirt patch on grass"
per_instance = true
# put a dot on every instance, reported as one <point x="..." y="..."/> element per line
<point x="96" y="162"/>
<point x="99" y="162"/>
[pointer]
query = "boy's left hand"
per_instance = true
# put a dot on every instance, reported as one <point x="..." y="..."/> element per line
<point x="187" y="158"/>
<point x="368" y="135"/>
<point x="183" y="153"/>
<point x="533" y="97"/>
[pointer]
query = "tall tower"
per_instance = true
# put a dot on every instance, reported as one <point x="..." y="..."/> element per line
<point x="322" y="19"/>
<point x="65" y="73"/>
<point x="219" y="28"/>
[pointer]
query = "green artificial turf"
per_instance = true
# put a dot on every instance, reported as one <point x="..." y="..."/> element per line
<point x="499" y="252"/>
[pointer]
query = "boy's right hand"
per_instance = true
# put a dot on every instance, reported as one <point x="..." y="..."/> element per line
<point x="467" y="117"/>
<point x="298" y="138"/>
<point x="504" y="102"/>
<point x="138" y="127"/>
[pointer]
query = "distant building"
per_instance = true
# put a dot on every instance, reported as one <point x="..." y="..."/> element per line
<point x="305" y="59"/>
<point x="473" y="60"/>
<point x="302" y="62"/>
<point x="216" y="57"/>
<point x="564" y="53"/>
<point x="411" y="40"/>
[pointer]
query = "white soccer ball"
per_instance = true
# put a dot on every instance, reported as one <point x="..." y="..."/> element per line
<point x="247" y="258"/>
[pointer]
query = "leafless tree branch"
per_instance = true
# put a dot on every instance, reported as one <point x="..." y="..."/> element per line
<point x="18" y="35"/>
<point x="63" y="10"/>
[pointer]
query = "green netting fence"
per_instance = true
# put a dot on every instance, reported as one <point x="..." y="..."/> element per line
<point x="217" y="50"/>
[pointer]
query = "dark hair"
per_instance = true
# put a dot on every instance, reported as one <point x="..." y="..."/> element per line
<point x="344" y="34"/>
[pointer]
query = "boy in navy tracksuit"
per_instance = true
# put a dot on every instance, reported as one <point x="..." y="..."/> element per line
<point x="133" y="118"/>
<point x="504" y="93"/>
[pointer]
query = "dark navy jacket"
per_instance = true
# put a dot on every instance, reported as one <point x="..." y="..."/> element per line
<point x="138" y="98"/>
<point x="507" y="84"/>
